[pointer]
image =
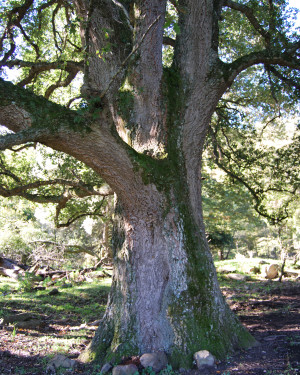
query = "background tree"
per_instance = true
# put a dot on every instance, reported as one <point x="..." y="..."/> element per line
<point x="142" y="128"/>
<point x="228" y="212"/>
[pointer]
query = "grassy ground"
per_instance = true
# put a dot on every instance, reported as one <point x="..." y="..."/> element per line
<point x="243" y="265"/>
<point x="64" y="323"/>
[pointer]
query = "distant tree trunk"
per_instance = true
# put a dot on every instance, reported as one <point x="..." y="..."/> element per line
<point x="221" y="254"/>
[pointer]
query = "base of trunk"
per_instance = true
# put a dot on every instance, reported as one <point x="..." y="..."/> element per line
<point x="190" y="338"/>
<point x="165" y="294"/>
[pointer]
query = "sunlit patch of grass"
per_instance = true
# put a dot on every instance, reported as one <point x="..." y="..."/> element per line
<point x="7" y="285"/>
<point x="243" y="264"/>
<point x="65" y="315"/>
<point x="83" y="302"/>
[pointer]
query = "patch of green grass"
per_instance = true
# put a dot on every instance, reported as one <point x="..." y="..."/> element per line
<point x="7" y="285"/>
<point x="243" y="264"/>
<point x="85" y="302"/>
<point x="76" y="305"/>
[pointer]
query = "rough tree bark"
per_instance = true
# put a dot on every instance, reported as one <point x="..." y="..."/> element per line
<point x="145" y="138"/>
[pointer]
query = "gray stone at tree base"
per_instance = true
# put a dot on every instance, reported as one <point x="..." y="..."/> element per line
<point x="204" y="359"/>
<point x="106" y="368"/>
<point x="125" y="370"/>
<point x="60" y="361"/>
<point x="157" y="361"/>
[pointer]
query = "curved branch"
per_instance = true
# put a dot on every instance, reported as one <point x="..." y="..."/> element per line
<point x="267" y="56"/>
<point x="290" y="82"/>
<point x="256" y="195"/>
<point x="76" y="217"/>
<point x="59" y="83"/>
<point x="248" y="12"/>
<point x="15" y="17"/>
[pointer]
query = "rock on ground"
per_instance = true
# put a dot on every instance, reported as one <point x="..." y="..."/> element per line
<point x="204" y="359"/>
<point x="125" y="370"/>
<point x="271" y="271"/>
<point x="106" y="368"/>
<point x="60" y="361"/>
<point x="157" y="361"/>
<point x="237" y="276"/>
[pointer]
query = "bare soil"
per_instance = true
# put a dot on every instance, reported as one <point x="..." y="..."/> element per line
<point x="270" y="311"/>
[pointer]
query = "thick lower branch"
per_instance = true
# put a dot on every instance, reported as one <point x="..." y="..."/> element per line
<point x="28" y="135"/>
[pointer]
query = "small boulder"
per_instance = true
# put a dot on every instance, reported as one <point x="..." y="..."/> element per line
<point x="237" y="276"/>
<point x="54" y="292"/>
<point x="60" y="361"/>
<point x="124" y="370"/>
<point x="16" y="318"/>
<point x="157" y="361"/>
<point x="271" y="271"/>
<point x="204" y="359"/>
<point x="32" y="324"/>
<point x="106" y="368"/>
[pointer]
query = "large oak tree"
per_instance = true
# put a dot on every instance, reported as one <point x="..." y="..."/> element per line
<point x="143" y="130"/>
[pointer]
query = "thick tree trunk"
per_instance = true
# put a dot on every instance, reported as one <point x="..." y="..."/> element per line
<point x="165" y="295"/>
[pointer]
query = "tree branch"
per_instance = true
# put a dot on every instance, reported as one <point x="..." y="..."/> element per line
<point x="21" y="109"/>
<point x="85" y="190"/>
<point x="88" y="139"/>
<point x="59" y="83"/>
<point x="169" y="41"/>
<point x="76" y="217"/>
<point x="28" y="135"/>
<point x="256" y="193"/>
<point x="290" y="82"/>
<point x="248" y="12"/>
<point x="15" y="17"/>
<point x="267" y="56"/>
<point x="40" y="66"/>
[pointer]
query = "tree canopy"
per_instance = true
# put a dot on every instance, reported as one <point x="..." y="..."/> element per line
<point x="40" y="42"/>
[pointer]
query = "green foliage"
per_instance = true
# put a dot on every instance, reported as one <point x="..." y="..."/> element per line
<point x="238" y="37"/>
<point x="49" y="32"/>
<point x="255" y="140"/>
<point x="26" y="282"/>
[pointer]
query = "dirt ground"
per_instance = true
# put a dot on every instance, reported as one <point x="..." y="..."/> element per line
<point x="271" y="312"/>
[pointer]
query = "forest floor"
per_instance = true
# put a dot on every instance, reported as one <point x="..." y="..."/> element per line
<point x="63" y="323"/>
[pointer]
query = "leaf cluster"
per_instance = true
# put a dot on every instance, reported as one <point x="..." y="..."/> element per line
<point x="47" y="176"/>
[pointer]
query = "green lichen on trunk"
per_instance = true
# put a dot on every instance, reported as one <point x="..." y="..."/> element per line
<point x="194" y="323"/>
<point x="43" y="113"/>
<point x="200" y="316"/>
